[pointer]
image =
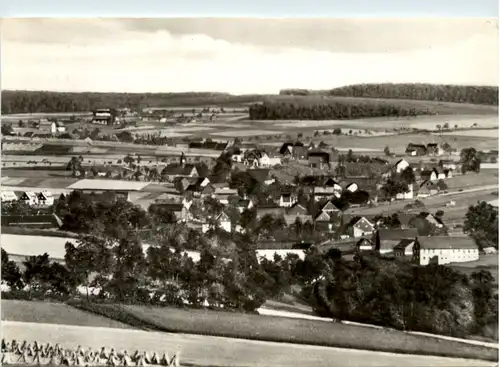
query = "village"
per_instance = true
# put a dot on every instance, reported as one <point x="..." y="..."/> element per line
<point x="305" y="193"/>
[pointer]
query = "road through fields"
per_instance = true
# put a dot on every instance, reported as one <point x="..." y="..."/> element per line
<point x="215" y="351"/>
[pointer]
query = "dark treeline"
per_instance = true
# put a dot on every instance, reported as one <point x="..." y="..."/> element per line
<point x="331" y="110"/>
<point x="425" y="92"/>
<point x="49" y="102"/>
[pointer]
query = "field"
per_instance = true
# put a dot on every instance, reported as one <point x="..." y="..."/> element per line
<point x="53" y="313"/>
<point x="210" y="324"/>
<point x="243" y="133"/>
<point x="207" y="351"/>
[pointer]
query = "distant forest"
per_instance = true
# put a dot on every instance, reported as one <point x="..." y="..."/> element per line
<point x="317" y="108"/>
<point x="49" y="102"/>
<point x="425" y="92"/>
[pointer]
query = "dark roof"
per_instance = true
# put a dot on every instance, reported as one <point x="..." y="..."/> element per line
<point x="446" y="242"/>
<point x="404" y="243"/>
<point x="318" y="180"/>
<point x="318" y="153"/>
<point x="397" y="234"/>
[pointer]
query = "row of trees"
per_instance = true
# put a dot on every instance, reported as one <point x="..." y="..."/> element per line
<point x="427" y="92"/>
<point x="297" y="109"/>
<point x="49" y="102"/>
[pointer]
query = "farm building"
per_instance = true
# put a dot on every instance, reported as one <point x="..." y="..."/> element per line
<point x="101" y="187"/>
<point x="405" y="249"/>
<point x="295" y="150"/>
<point x="446" y="249"/>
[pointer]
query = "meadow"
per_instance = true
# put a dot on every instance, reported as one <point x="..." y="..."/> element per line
<point x="207" y="351"/>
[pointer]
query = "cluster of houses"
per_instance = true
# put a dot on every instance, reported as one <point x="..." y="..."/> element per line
<point x="31" y="198"/>
<point x="430" y="179"/>
<point x="406" y="244"/>
<point x="431" y="149"/>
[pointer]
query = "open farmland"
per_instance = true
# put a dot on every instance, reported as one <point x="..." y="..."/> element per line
<point x="243" y="133"/>
<point x="205" y="351"/>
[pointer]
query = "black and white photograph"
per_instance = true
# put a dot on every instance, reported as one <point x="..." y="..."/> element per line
<point x="249" y="192"/>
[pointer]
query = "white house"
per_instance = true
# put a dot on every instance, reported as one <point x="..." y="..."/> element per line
<point x="362" y="227"/>
<point x="406" y="195"/>
<point x="446" y="249"/>
<point x="266" y="161"/>
<point x="401" y="165"/>
<point x="45" y="198"/>
<point x="287" y="199"/>
<point x="7" y="196"/>
<point x="29" y="198"/>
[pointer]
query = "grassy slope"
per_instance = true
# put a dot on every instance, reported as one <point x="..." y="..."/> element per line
<point x="276" y="329"/>
<point x="54" y="313"/>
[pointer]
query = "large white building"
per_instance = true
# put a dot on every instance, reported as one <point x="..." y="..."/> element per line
<point x="446" y="249"/>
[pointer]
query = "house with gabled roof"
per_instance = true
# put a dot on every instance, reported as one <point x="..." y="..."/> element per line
<point x="288" y="148"/>
<point x="8" y="196"/>
<point x="329" y="208"/>
<point x="271" y="209"/>
<point x="360" y="227"/>
<point x="427" y="188"/>
<point x="199" y="191"/>
<point x="179" y="170"/>
<point x="364" y="245"/>
<point x="224" y="194"/>
<point x="29" y="198"/>
<point x="45" y="198"/>
<point x="290" y="219"/>
<point x="434" y="149"/>
<point x="266" y="161"/>
<point x="297" y="209"/>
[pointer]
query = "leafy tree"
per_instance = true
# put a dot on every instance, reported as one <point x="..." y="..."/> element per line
<point x="393" y="187"/>
<point x="470" y="160"/>
<point x="7" y="129"/>
<point x="387" y="151"/>
<point x="161" y="215"/>
<point x="481" y="223"/>
<point x="11" y="274"/>
<point x="408" y="176"/>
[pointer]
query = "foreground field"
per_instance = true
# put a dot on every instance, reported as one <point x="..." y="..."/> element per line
<point x="288" y="330"/>
<point x="53" y="313"/>
<point x="215" y="351"/>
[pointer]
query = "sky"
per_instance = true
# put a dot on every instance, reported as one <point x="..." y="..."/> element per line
<point x="243" y="56"/>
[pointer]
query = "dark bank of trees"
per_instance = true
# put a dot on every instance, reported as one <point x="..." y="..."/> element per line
<point x="50" y="102"/>
<point x="316" y="108"/>
<point x="426" y="92"/>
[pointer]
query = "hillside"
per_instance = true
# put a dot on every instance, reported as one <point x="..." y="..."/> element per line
<point x="425" y="92"/>
<point x="49" y="102"/>
<point x="317" y="107"/>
